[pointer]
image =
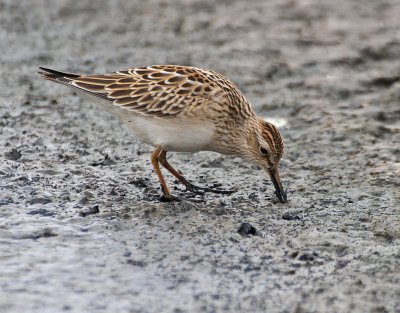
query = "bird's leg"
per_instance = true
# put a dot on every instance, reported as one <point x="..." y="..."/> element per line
<point x="155" y="159"/>
<point x="189" y="186"/>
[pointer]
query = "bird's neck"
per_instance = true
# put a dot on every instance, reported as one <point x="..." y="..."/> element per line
<point x="233" y="138"/>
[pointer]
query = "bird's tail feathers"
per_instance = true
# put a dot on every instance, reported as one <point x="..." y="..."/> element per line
<point x="57" y="76"/>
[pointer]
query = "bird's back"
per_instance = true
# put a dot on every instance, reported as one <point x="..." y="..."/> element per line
<point x="161" y="90"/>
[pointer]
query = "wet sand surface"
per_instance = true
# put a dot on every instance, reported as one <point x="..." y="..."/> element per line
<point x="81" y="227"/>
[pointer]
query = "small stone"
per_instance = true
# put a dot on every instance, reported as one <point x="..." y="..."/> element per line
<point x="136" y="263"/>
<point x="45" y="233"/>
<point x="106" y="161"/>
<point x="39" y="201"/>
<point x="308" y="257"/>
<point x="92" y="210"/>
<point x="247" y="230"/>
<point x="42" y="212"/>
<point x="290" y="217"/>
<point x="139" y="182"/>
<point x="13" y="155"/>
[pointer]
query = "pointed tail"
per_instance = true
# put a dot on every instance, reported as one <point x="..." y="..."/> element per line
<point x="56" y="76"/>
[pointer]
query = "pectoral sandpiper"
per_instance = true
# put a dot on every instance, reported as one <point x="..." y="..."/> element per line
<point x="183" y="109"/>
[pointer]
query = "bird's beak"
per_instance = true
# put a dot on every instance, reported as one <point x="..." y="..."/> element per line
<point x="276" y="180"/>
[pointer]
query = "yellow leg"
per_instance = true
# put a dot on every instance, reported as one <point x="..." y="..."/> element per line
<point x="155" y="159"/>
<point x="163" y="161"/>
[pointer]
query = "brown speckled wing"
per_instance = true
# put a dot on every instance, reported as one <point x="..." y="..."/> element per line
<point x="163" y="90"/>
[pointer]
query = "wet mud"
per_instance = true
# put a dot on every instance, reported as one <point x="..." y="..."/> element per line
<point x="81" y="225"/>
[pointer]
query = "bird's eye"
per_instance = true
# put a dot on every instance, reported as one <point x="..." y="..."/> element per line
<point x="263" y="151"/>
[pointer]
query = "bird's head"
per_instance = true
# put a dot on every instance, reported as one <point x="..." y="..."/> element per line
<point x="265" y="147"/>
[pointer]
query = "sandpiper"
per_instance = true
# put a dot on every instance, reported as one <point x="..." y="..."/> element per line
<point x="183" y="109"/>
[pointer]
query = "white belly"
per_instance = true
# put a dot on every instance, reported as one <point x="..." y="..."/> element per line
<point x="173" y="134"/>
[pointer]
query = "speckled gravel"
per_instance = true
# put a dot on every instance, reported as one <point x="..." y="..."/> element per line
<point x="81" y="227"/>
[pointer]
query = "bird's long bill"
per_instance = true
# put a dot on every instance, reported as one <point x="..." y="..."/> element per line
<point x="276" y="180"/>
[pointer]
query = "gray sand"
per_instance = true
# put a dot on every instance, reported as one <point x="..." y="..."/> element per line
<point x="328" y="71"/>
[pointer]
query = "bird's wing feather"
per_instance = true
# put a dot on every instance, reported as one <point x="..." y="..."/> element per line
<point x="160" y="90"/>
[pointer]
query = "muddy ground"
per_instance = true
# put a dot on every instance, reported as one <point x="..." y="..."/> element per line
<point x="327" y="71"/>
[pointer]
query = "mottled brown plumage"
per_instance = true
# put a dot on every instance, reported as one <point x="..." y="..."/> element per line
<point x="181" y="108"/>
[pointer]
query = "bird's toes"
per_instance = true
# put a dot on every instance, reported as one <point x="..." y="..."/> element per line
<point x="229" y="191"/>
<point x="170" y="198"/>
<point x="194" y="189"/>
<point x="202" y="190"/>
<point x="222" y="191"/>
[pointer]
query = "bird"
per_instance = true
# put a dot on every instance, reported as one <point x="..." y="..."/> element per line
<point x="178" y="108"/>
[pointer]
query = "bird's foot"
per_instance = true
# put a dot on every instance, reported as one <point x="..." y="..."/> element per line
<point x="169" y="198"/>
<point x="166" y="195"/>
<point x="202" y="190"/>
